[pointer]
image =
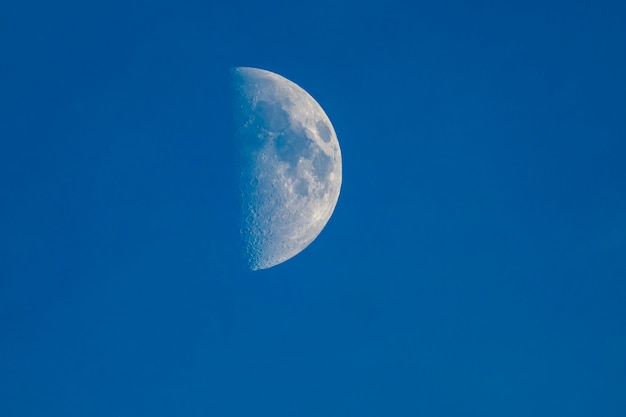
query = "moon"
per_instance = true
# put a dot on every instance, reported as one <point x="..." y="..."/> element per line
<point x="290" y="166"/>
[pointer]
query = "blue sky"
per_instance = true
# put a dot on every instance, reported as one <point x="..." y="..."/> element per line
<point x="474" y="264"/>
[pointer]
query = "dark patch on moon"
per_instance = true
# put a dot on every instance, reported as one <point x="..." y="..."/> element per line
<point x="322" y="165"/>
<point x="323" y="130"/>
<point x="271" y="117"/>
<point x="302" y="187"/>
<point x="291" y="146"/>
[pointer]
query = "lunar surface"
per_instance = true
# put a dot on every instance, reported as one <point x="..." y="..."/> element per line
<point x="290" y="166"/>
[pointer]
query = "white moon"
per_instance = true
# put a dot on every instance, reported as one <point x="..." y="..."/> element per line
<point x="291" y="166"/>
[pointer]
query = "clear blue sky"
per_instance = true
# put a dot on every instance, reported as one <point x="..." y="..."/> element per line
<point x="475" y="264"/>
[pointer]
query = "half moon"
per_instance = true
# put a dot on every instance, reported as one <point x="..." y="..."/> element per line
<point x="291" y="166"/>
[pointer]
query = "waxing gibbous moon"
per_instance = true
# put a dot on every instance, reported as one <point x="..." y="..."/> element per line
<point x="290" y="166"/>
